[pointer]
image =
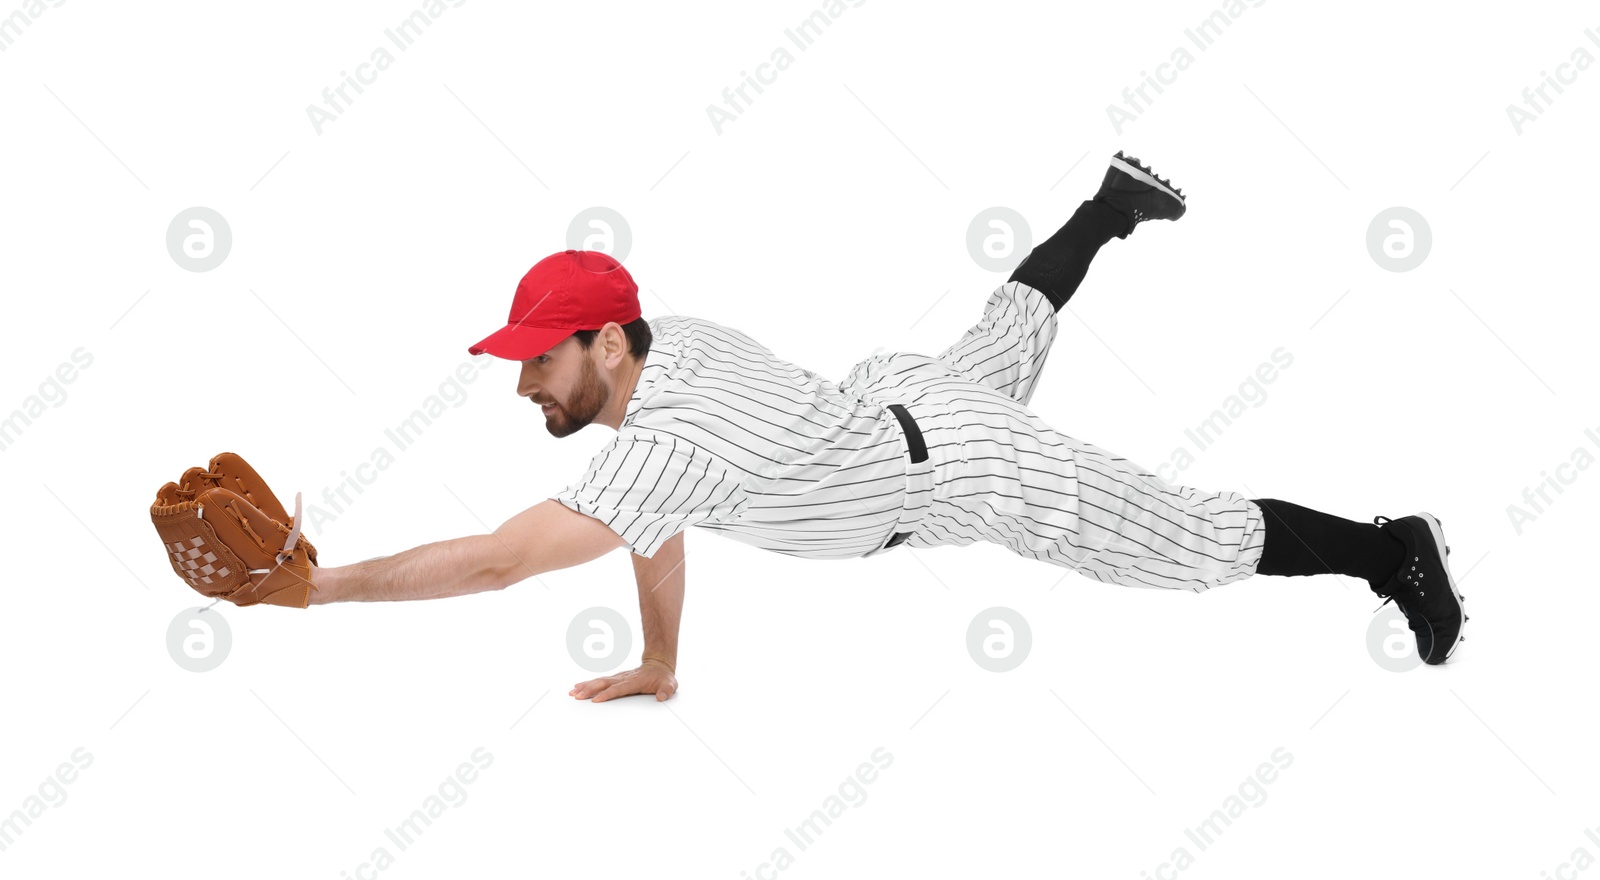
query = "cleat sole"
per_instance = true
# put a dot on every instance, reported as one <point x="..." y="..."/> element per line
<point x="1435" y="528"/>
<point x="1133" y="169"/>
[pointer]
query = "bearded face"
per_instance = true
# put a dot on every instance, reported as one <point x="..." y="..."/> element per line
<point x="565" y="385"/>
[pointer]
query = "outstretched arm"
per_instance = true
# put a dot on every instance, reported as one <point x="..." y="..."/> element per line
<point x="661" y="583"/>
<point x="545" y="537"/>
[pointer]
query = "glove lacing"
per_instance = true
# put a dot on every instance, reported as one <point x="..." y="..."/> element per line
<point x="294" y="532"/>
<point x="288" y="545"/>
<point x="185" y="489"/>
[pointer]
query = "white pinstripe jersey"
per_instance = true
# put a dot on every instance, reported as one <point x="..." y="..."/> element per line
<point x="723" y="434"/>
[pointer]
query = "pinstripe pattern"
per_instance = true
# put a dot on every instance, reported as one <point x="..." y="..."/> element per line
<point x="722" y="434"/>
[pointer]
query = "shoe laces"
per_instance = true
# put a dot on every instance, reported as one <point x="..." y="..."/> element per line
<point x="1384" y="591"/>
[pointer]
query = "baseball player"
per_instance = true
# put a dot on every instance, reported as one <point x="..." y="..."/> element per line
<point x="716" y="431"/>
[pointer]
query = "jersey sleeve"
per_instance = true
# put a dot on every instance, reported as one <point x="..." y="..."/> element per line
<point x="649" y="488"/>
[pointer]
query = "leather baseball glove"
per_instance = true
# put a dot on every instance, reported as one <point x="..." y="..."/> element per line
<point x="222" y="524"/>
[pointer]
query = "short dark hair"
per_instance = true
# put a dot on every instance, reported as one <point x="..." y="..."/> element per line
<point x="637" y="331"/>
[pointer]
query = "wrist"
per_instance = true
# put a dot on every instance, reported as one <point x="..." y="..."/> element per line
<point x="666" y="662"/>
<point x="321" y="587"/>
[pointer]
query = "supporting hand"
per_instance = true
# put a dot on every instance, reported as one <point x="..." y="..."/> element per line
<point x="652" y="677"/>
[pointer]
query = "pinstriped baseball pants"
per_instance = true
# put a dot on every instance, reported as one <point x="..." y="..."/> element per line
<point x="1004" y="476"/>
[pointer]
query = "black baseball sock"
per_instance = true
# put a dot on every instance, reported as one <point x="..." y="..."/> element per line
<point x="1057" y="265"/>
<point x="1301" y="541"/>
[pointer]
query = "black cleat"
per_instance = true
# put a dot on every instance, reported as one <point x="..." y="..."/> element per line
<point x="1422" y="588"/>
<point x="1138" y="193"/>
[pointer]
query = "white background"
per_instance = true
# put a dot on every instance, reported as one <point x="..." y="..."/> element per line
<point x="828" y="220"/>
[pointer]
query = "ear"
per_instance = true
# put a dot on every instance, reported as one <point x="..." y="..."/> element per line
<point x="615" y="342"/>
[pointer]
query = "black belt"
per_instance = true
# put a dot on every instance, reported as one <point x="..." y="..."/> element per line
<point x="919" y="449"/>
<point x="919" y="452"/>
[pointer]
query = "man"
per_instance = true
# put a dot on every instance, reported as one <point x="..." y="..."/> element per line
<point x="715" y="431"/>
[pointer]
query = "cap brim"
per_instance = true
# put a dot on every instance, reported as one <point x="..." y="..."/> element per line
<point x="518" y="343"/>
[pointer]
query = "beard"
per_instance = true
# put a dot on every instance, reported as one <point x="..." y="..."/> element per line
<point x="587" y="401"/>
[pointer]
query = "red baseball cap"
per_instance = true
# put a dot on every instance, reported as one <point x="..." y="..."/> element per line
<point x="572" y="290"/>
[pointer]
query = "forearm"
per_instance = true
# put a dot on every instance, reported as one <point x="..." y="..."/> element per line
<point x="661" y="589"/>
<point x="660" y="614"/>
<point x="432" y="571"/>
